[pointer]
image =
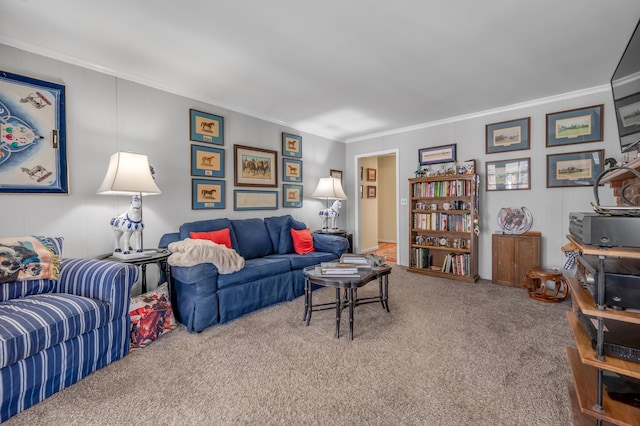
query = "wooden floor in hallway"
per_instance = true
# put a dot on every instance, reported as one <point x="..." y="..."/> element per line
<point x="388" y="250"/>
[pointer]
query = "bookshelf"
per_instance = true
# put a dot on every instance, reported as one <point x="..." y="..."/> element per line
<point x="442" y="217"/>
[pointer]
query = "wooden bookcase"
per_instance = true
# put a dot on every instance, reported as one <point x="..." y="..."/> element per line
<point x="441" y="224"/>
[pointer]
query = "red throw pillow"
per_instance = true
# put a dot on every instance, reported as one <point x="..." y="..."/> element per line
<point x="222" y="236"/>
<point x="302" y="241"/>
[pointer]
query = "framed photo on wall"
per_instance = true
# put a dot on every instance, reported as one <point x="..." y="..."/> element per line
<point x="291" y="145"/>
<point x="246" y="199"/>
<point x="206" y="127"/>
<point x="437" y="154"/>
<point x="371" y="175"/>
<point x="506" y="136"/>
<point x="574" y="168"/>
<point x="508" y="174"/>
<point x="575" y="126"/>
<point x="33" y="141"/>
<point x="255" y="166"/>
<point x="291" y="195"/>
<point x="336" y="174"/>
<point x="291" y="170"/>
<point x="207" y="194"/>
<point x="207" y="161"/>
<point x="371" y="191"/>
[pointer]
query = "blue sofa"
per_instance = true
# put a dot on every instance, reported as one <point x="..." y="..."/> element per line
<point x="272" y="271"/>
<point x="54" y="333"/>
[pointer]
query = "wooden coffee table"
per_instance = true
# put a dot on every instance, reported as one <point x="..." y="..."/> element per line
<point x="350" y="284"/>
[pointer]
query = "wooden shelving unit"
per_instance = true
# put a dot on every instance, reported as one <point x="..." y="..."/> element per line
<point x="584" y="361"/>
<point x="433" y="233"/>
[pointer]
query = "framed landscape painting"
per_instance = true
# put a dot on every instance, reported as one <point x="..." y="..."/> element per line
<point x="508" y="174"/>
<point x="33" y="142"/>
<point x="575" y="126"/>
<point x="574" y="168"/>
<point x="506" y="136"/>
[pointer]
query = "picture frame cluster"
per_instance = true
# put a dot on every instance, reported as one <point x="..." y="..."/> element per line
<point x="254" y="168"/>
<point x="574" y="126"/>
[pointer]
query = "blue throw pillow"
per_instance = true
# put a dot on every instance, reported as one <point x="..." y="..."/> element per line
<point x="253" y="238"/>
<point x="275" y="225"/>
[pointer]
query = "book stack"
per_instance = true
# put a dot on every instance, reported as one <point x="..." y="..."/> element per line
<point x="355" y="259"/>
<point x="338" y="269"/>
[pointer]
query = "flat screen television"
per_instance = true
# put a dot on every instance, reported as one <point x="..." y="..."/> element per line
<point x="625" y="85"/>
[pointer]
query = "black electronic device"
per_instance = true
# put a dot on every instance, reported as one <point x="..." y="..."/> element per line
<point x="622" y="388"/>
<point x="621" y="280"/>
<point x="620" y="338"/>
<point x="605" y="231"/>
<point x="625" y="87"/>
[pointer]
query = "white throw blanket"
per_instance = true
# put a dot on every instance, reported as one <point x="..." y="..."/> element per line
<point x="189" y="252"/>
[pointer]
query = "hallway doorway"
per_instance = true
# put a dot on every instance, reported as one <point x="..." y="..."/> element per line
<point x="376" y="220"/>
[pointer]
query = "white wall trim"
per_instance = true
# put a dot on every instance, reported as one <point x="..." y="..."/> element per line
<point x="513" y="107"/>
<point x="356" y="188"/>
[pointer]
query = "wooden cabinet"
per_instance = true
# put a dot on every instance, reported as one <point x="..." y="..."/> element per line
<point x="442" y="219"/>
<point x="512" y="256"/>
<point x="587" y="365"/>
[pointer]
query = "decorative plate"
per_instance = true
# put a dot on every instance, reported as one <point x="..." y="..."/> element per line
<point x="514" y="220"/>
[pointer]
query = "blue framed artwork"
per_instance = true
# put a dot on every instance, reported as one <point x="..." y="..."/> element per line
<point x="206" y="161"/>
<point x="206" y="127"/>
<point x="207" y="194"/>
<point x="436" y="154"/>
<point x="575" y="126"/>
<point x="33" y="143"/>
<point x="247" y="199"/>
<point x="291" y="145"/>
<point x="574" y="168"/>
<point x="291" y="170"/>
<point x="506" y="136"/>
<point x="291" y="195"/>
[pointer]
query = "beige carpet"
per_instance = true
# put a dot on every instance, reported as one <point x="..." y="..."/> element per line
<point x="449" y="353"/>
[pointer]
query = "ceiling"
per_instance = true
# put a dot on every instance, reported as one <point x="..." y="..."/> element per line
<point x="342" y="69"/>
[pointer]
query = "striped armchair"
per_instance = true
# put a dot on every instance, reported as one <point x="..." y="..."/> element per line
<point x="54" y="333"/>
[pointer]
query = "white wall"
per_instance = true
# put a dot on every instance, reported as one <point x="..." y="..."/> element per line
<point x="550" y="206"/>
<point x="105" y="115"/>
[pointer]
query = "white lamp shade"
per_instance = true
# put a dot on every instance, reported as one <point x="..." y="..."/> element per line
<point x="329" y="188"/>
<point x="128" y="174"/>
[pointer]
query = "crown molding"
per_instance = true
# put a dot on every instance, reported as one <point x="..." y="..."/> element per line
<point x="513" y="107"/>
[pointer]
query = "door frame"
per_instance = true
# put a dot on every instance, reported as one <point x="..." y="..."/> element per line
<point x="356" y="190"/>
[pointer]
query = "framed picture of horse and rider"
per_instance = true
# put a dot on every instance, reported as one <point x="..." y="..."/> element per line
<point x="255" y="166"/>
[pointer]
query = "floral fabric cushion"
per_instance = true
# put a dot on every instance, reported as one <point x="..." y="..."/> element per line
<point x="151" y="316"/>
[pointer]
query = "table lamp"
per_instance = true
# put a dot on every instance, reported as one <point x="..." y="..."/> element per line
<point x="129" y="174"/>
<point x="330" y="188"/>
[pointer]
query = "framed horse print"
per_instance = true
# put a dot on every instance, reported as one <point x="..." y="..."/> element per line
<point x="291" y="145"/>
<point x="291" y="170"/>
<point x="33" y="143"/>
<point x="205" y="127"/>
<point x="255" y="166"/>
<point x="207" y="161"/>
<point x="207" y="194"/>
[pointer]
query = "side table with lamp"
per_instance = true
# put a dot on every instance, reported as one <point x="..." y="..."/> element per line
<point x="130" y="174"/>
<point x="330" y="188"/>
